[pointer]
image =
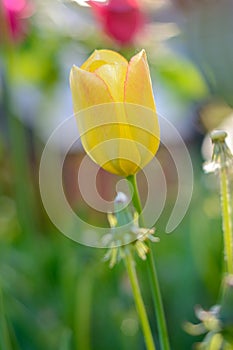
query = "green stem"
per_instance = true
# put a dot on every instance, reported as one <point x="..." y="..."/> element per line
<point x="136" y="199"/>
<point x="226" y="218"/>
<point x="130" y="265"/>
<point x="158" y="304"/>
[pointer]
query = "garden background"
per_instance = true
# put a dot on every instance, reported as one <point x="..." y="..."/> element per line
<point x="56" y="293"/>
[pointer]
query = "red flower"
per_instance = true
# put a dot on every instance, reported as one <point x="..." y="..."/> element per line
<point x="16" y="12"/>
<point x="120" y="19"/>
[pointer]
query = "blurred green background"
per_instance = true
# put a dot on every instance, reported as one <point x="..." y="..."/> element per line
<point x="56" y="293"/>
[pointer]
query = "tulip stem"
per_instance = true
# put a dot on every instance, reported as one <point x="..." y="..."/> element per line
<point x="130" y="266"/>
<point x="154" y="282"/>
<point x="136" y="198"/>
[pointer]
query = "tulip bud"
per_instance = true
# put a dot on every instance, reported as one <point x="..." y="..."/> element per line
<point x="115" y="111"/>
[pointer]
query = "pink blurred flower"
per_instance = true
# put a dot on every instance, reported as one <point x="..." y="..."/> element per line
<point x="17" y="12"/>
<point x="120" y="19"/>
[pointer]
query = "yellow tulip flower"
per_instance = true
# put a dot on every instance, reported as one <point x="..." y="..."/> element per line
<point x="115" y="111"/>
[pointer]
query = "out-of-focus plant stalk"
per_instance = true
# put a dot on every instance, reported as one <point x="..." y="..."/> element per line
<point x="222" y="163"/>
<point x="226" y="219"/>
<point x="19" y="159"/>
<point x="156" y="294"/>
<point x="17" y="139"/>
<point x="4" y="334"/>
<point x="84" y="293"/>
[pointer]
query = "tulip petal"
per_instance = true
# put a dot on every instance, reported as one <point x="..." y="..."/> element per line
<point x="106" y="138"/>
<point x="101" y="57"/>
<point x="114" y="76"/>
<point x="138" y="87"/>
<point x="138" y="91"/>
<point x="87" y="89"/>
